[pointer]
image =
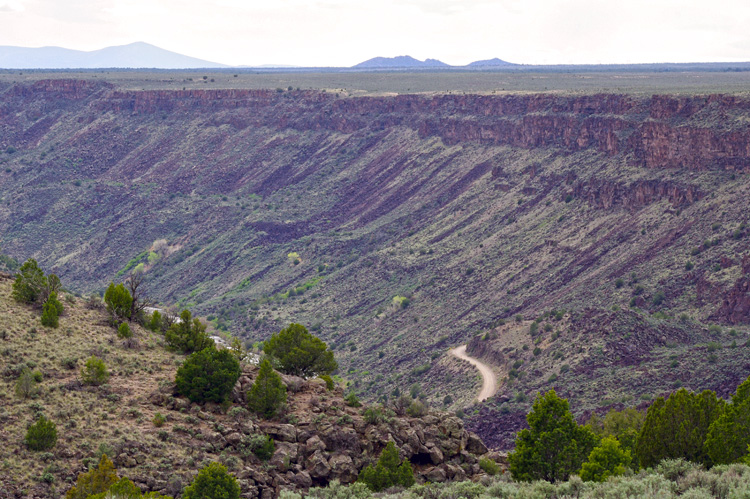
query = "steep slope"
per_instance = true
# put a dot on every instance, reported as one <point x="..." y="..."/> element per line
<point x="394" y="226"/>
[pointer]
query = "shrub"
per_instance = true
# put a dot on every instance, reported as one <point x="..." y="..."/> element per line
<point x="729" y="435"/>
<point x="96" y="481"/>
<point x="118" y="301"/>
<point x="329" y="381"/>
<point x="208" y="375"/>
<point x="41" y="435"/>
<point x="388" y="472"/>
<point x="352" y="400"/>
<point x="607" y="459"/>
<point x="26" y="384"/>
<point x="295" y="351"/>
<point x="489" y="466"/>
<point x="658" y="298"/>
<point x="619" y="282"/>
<point x="416" y="409"/>
<point x="188" y="335"/>
<point x="124" y="331"/>
<point x="159" y="420"/>
<point x="268" y="392"/>
<point x="213" y="482"/>
<point x="95" y="371"/>
<point x="262" y="446"/>
<point x="689" y="265"/>
<point x="373" y="414"/>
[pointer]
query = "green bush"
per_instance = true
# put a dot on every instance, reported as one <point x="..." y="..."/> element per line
<point x="156" y="322"/>
<point x="262" y="446"/>
<point x="417" y="409"/>
<point x="329" y="381"/>
<point x="26" y="385"/>
<point x="49" y="315"/>
<point x="213" y="482"/>
<point x="268" y="392"/>
<point x="188" y="335"/>
<point x="208" y="375"/>
<point x="606" y="460"/>
<point x="158" y="420"/>
<point x="729" y="435"/>
<point x="124" y="331"/>
<point x="489" y="466"/>
<point x="96" y="481"/>
<point x="118" y="301"/>
<point x="94" y="372"/>
<point x="295" y="351"/>
<point x="41" y="435"/>
<point x="388" y="472"/>
<point x="352" y="400"/>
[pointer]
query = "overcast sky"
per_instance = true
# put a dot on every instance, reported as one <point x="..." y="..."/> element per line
<point x="345" y="32"/>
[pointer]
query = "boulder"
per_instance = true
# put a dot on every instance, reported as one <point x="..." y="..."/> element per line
<point x="317" y="465"/>
<point x="282" y="432"/>
<point x="435" y="475"/>
<point x="302" y="480"/>
<point x="436" y="455"/>
<point x="342" y="468"/>
<point x="475" y="445"/>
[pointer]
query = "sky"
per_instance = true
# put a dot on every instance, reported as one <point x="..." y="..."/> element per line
<point x="346" y="32"/>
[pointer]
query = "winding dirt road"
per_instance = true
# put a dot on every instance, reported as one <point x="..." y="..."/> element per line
<point x="489" y="380"/>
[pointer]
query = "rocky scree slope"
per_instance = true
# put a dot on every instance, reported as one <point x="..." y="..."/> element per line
<point x="318" y="439"/>
<point x="394" y="226"/>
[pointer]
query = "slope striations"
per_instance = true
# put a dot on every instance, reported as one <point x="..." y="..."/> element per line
<point x="394" y="226"/>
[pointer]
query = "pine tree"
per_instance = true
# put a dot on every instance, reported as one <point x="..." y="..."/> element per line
<point x="42" y="435"/>
<point x="208" y="375"/>
<point x="30" y="283"/>
<point x="188" y="335"/>
<point x="677" y="427"/>
<point x="554" y="446"/>
<point x="124" y="331"/>
<point x="118" y="301"/>
<point x="50" y="315"/>
<point x="267" y="393"/>
<point x="729" y="436"/>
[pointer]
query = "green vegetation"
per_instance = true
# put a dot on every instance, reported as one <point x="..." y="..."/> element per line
<point x="295" y="351"/>
<point x="94" y="372"/>
<point x="188" y="335"/>
<point x="677" y="428"/>
<point x="389" y="471"/>
<point x="96" y="481"/>
<point x="208" y="375"/>
<point x="213" y="482"/>
<point x="268" y="392"/>
<point x="30" y="283"/>
<point x="118" y="301"/>
<point x="489" y="466"/>
<point x="124" y="332"/>
<point x="729" y="435"/>
<point x="606" y="459"/>
<point x="554" y="446"/>
<point x="42" y="435"/>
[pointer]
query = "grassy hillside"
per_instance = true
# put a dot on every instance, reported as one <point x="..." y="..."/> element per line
<point x="318" y="437"/>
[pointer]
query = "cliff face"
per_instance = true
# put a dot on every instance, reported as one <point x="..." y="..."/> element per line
<point x="661" y="132"/>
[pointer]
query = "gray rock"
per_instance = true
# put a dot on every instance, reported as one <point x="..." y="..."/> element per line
<point x="317" y="465"/>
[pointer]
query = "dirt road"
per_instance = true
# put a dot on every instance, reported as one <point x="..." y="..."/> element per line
<point x="489" y="381"/>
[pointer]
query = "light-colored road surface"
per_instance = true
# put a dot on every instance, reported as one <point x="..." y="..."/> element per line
<point x="489" y="380"/>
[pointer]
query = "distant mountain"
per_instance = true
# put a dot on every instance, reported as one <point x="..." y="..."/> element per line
<point x="402" y="61"/>
<point x="134" y="55"/>
<point x="489" y="63"/>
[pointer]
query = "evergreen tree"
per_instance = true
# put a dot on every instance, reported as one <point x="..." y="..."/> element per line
<point x="50" y="315"/>
<point x="213" y="482"/>
<point x="188" y="335"/>
<point x="295" y="351"/>
<point x="30" y="283"/>
<point x="267" y="393"/>
<point x="606" y="460"/>
<point x="624" y="425"/>
<point x="729" y="436"/>
<point x="41" y="435"/>
<point x="118" y="301"/>
<point x="208" y="375"/>
<point x="388" y="472"/>
<point x="94" y="372"/>
<point x="155" y="324"/>
<point x="677" y="428"/>
<point x="554" y="446"/>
